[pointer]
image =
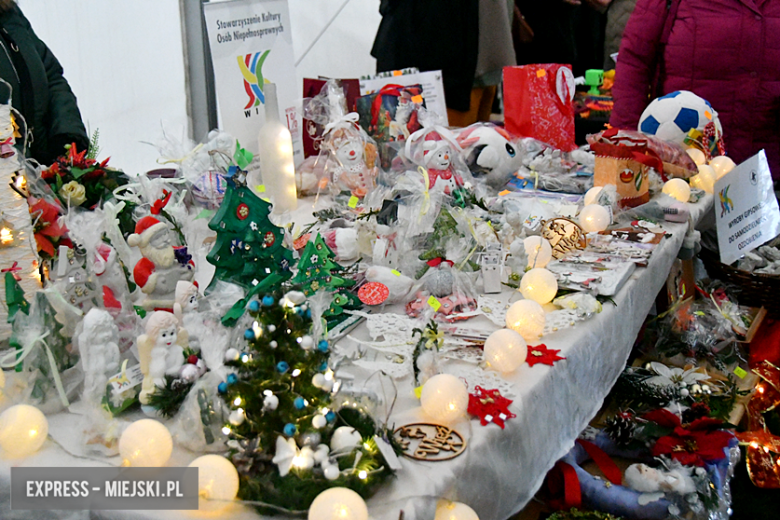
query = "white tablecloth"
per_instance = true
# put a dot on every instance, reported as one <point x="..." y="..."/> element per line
<point x="500" y="470"/>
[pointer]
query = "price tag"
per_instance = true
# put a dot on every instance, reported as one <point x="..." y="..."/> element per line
<point x="398" y="73"/>
<point x="700" y="313"/>
<point x="502" y="193"/>
<point x="417" y="99"/>
<point x="387" y="452"/>
<point x="353" y="202"/>
<point x="740" y="372"/>
<point x="127" y="378"/>
<point x="260" y="188"/>
<point x="434" y="303"/>
<point x="395" y="272"/>
<point x="418" y="392"/>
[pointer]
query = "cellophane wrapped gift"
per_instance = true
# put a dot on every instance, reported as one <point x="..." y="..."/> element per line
<point x="390" y="116"/>
<point x="348" y="158"/>
<point x="538" y="103"/>
<point x="625" y="158"/>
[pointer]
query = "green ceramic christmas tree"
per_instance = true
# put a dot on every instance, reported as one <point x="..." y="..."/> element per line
<point x="317" y="270"/>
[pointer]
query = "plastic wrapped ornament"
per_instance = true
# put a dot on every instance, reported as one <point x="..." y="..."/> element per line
<point x="209" y="190"/>
<point x="440" y="281"/>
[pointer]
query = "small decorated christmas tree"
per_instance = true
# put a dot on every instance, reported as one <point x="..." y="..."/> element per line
<point x="249" y="249"/>
<point x="316" y="271"/>
<point x="288" y="442"/>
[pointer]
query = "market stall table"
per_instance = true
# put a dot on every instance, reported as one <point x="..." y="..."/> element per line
<point x="500" y="470"/>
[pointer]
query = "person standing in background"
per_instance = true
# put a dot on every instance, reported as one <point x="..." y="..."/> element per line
<point x="617" y="18"/>
<point x="726" y="51"/>
<point x="470" y="41"/>
<point x="40" y="91"/>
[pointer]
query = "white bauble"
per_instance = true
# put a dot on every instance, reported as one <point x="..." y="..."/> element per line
<point x="23" y="430"/>
<point x="146" y="443"/>
<point x="321" y="454"/>
<point x="677" y="189"/>
<point x="447" y="510"/>
<point x="444" y="398"/>
<point x="189" y="372"/>
<point x="231" y="354"/>
<point x="505" y="350"/>
<point x="594" y="218"/>
<point x="697" y="156"/>
<point x="592" y="196"/>
<point x="345" y="438"/>
<point x="672" y="116"/>
<point x="538" y="250"/>
<point x="722" y="165"/>
<point x="338" y="503"/>
<point x="270" y="403"/>
<point x="307" y="343"/>
<point x="217" y="482"/>
<point x="526" y="317"/>
<point x="539" y="285"/>
<point x="331" y="471"/>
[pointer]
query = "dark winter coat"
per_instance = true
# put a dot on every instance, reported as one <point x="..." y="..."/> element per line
<point x="431" y="35"/>
<point x="40" y="92"/>
<point x="617" y="17"/>
<point x="726" y="51"/>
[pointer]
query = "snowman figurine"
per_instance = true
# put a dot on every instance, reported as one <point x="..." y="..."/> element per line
<point x="352" y="161"/>
<point x="437" y="159"/>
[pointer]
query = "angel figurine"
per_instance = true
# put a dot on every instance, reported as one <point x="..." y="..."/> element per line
<point x="99" y="349"/>
<point x="161" y="351"/>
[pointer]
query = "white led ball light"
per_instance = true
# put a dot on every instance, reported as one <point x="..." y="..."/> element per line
<point x="697" y="156"/>
<point x="538" y="250"/>
<point x="526" y="317"/>
<point x="23" y="430"/>
<point x="677" y="189"/>
<point x="217" y="482"/>
<point x="444" y="398"/>
<point x="338" y="503"/>
<point x="722" y="165"/>
<point x="594" y="218"/>
<point x="539" y="285"/>
<point x="145" y="443"/>
<point x="592" y="196"/>
<point x="447" y="510"/>
<point x="705" y="180"/>
<point x="505" y="350"/>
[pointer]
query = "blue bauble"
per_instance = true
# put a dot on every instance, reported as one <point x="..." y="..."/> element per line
<point x="322" y="346"/>
<point x="254" y="306"/>
<point x="290" y="429"/>
<point x="299" y="403"/>
<point x="282" y="366"/>
<point x="222" y="387"/>
<point x="232" y="379"/>
<point x="330" y="416"/>
<point x="308" y="313"/>
<point x="249" y="334"/>
<point x="324" y="366"/>
<point x="268" y="301"/>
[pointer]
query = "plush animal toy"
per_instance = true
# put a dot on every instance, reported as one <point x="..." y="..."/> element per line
<point x="489" y="151"/>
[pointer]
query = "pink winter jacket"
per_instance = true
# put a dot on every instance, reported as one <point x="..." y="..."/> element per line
<point x="726" y="51"/>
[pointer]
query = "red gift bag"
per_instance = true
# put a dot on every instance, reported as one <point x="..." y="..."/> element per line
<point x="538" y="103"/>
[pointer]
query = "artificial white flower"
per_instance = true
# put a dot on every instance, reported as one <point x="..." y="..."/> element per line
<point x="673" y="376"/>
<point x="74" y="193"/>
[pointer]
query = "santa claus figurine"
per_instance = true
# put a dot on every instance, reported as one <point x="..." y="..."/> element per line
<point x="437" y="159"/>
<point x="162" y="265"/>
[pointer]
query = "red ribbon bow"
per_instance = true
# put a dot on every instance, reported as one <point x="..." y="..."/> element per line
<point x="13" y="269"/>
<point x="159" y="204"/>
<point x="436" y="262"/>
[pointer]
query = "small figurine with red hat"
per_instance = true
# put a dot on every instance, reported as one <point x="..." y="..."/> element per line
<point x="437" y="159"/>
<point x="162" y="265"/>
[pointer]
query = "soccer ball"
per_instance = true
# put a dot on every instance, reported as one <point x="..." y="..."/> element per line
<point x="672" y="116"/>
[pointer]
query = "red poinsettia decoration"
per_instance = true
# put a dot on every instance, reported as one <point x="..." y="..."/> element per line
<point x="77" y="165"/>
<point x="490" y="406"/>
<point x="542" y="354"/>
<point x="49" y="232"/>
<point x="696" y="443"/>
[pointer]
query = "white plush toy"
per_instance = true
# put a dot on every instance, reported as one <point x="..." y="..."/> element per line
<point x="489" y="150"/>
<point x="643" y="478"/>
<point x="398" y="284"/>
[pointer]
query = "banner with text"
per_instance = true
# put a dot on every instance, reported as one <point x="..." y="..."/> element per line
<point x="251" y="45"/>
<point x="746" y="208"/>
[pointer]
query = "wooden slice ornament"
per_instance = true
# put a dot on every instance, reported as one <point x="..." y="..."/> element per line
<point x="429" y="442"/>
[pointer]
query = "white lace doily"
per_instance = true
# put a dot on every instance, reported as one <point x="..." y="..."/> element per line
<point x="487" y="379"/>
<point x="390" y="326"/>
<point x="493" y="309"/>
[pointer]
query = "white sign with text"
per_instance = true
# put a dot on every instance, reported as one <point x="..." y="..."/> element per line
<point x="251" y="45"/>
<point x="746" y="208"/>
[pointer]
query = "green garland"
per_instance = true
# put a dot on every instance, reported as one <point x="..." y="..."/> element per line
<point x="168" y="399"/>
<point x="576" y="514"/>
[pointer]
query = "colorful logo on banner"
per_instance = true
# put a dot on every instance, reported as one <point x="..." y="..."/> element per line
<point x="251" y="67"/>
<point x="726" y="204"/>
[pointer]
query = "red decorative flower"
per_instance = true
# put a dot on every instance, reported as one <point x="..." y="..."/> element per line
<point x="47" y="229"/>
<point x="542" y="354"/>
<point x="691" y="444"/>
